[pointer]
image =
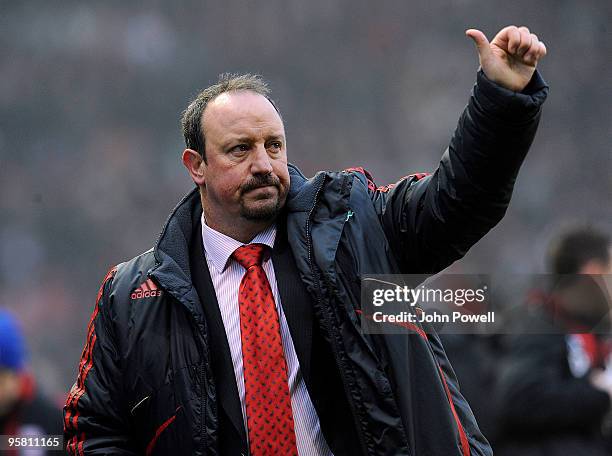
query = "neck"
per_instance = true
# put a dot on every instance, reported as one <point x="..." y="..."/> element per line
<point x="244" y="234"/>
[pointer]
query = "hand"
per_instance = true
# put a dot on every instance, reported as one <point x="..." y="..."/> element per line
<point x="511" y="58"/>
<point x="602" y="380"/>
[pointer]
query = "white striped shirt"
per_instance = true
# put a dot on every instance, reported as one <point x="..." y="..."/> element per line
<point x="226" y="274"/>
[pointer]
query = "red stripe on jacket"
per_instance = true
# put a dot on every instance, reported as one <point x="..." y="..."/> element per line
<point x="465" y="445"/>
<point x="383" y="188"/>
<point x="75" y="444"/>
<point x="158" y="432"/>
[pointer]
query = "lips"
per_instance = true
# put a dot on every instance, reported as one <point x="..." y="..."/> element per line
<point x="261" y="188"/>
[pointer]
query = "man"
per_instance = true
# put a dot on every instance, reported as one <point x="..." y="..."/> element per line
<point x="24" y="411"/>
<point x="555" y="387"/>
<point x="239" y="332"/>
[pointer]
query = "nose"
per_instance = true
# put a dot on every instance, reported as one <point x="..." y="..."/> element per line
<point x="261" y="163"/>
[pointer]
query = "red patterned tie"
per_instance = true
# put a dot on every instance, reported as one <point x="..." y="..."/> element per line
<point x="268" y="405"/>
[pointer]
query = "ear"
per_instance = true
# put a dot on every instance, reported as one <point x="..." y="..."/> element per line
<point x="195" y="165"/>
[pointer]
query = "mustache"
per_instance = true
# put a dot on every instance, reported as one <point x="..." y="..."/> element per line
<point x="260" y="181"/>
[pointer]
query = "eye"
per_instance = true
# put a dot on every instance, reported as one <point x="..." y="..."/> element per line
<point x="276" y="145"/>
<point x="239" y="149"/>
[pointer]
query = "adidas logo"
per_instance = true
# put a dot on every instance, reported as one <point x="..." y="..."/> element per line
<point x="147" y="289"/>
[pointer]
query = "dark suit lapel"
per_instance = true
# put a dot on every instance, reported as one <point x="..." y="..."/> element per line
<point x="294" y="299"/>
<point x="227" y="390"/>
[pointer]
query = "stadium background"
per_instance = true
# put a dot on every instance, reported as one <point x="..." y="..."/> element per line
<point x="91" y="94"/>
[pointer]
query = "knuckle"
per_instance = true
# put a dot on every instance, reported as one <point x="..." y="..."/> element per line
<point x="525" y="42"/>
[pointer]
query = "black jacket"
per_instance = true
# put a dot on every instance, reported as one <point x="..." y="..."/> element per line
<point x="146" y="379"/>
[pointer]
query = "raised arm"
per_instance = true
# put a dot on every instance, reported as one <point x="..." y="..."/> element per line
<point x="433" y="220"/>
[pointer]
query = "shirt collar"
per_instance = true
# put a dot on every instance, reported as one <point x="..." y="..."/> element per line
<point x="219" y="247"/>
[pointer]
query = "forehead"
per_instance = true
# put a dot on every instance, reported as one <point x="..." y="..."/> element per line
<point x="239" y="114"/>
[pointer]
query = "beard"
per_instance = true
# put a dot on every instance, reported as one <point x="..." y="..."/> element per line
<point x="263" y="212"/>
<point x="264" y="209"/>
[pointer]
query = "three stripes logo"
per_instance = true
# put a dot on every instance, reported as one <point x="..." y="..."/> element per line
<point x="147" y="289"/>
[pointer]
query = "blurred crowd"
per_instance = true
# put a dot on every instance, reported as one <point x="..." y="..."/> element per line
<point x="91" y="94"/>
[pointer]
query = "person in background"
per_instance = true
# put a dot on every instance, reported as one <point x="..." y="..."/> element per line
<point x="23" y="410"/>
<point x="555" y="386"/>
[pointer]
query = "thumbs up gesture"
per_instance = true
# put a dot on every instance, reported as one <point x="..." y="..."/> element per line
<point x="511" y="58"/>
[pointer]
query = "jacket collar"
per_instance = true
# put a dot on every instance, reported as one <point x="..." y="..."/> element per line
<point x="171" y="253"/>
<point x="302" y="191"/>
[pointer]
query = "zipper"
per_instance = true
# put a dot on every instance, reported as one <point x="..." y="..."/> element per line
<point x="202" y="372"/>
<point x="205" y="351"/>
<point x="326" y="323"/>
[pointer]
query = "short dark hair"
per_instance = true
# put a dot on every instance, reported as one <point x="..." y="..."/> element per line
<point x="576" y="246"/>
<point x="191" y="120"/>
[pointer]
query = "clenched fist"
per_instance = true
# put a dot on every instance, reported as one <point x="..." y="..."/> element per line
<point x="511" y="58"/>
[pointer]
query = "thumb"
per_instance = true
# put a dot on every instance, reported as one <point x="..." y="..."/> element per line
<point x="481" y="42"/>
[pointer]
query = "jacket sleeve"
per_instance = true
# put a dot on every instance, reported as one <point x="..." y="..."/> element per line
<point x="94" y="420"/>
<point x="432" y="220"/>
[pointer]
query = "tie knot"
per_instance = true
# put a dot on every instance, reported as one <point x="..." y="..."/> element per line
<point x="250" y="255"/>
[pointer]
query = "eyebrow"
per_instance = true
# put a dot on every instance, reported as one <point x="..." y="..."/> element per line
<point x="277" y="137"/>
<point x="248" y="140"/>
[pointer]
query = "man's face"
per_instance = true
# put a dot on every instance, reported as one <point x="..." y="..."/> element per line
<point x="596" y="267"/>
<point x="245" y="174"/>
<point x="9" y="391"/>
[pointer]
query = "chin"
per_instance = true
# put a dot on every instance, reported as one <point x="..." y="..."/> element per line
<point x="261" y="211"/>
